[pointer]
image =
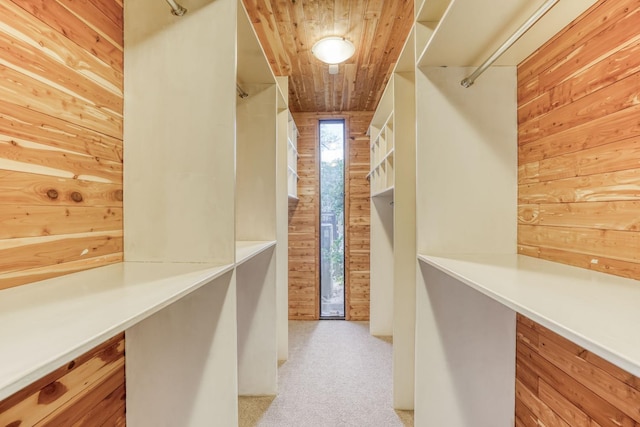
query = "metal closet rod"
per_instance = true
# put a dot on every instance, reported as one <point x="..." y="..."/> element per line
<point x="176" y="9"/>
<point x="241" y="93"/>
<point x="467" y="82"/>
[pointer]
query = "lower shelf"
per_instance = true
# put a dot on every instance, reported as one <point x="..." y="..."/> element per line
<point x="594" y="310"/>
<point x="46" y="324"/>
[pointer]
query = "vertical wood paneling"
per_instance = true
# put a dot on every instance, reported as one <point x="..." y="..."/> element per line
<point x="578" y="136"/>
<point x="60" y="137"/>
<point x="559" y="383"/>
<point x="88" y="391"/>
<point x="304" y="219"/>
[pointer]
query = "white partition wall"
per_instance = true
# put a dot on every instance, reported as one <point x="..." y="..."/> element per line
<point x="179" y="198"/>
<point x="393" y="232"/>
<point x="181" y="361"/>
<point x="179" y="132"/>
<point x="256" y="209"/>
<point x="282" y="220"/>
<point x="466" y="203"/>
<point x="256" y="222"/>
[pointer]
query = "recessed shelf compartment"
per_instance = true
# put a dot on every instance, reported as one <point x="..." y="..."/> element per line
<point x="428" y="17"/>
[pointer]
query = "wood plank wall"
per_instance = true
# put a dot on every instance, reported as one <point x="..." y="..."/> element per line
<point x="579" y="143"/>
<point x="304" y="278"/>
<point x="61" y="82"/>
<point x="561" y="384"/>
<point x="579" y="195"/>
<point x="89" y="391"/>
<point x="60" y="137"/>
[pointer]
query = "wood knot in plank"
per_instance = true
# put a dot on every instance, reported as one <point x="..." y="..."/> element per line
<point x="76" y="197"/>
<point x="51" y="392"/>
<point x="118" y="195"/>
<point x="52" y="194"/>
<point x="15" y="424"/>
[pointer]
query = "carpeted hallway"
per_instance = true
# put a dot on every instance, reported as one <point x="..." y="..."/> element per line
<point x="337" y="375"/>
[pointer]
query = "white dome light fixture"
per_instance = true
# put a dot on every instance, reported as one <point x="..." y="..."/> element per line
<point x="333" y="50"/>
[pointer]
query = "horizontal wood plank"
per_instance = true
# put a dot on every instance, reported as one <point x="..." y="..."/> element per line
<point x="25" y="189"/>
<point x="621" y="245"/>
<point x="75" y="29"/>
<point x="21" y="277"/>
<point x="621" y="216"/>
<point x="56" y="45"/>
<point x="24" y="91"/>
<point x="19" y="123"/>
<point x="23" y="156"/>
<point x="60" y="390"/>
<point x="568" y="385"/>
<point x="26" y="253"/>
<point x="34" y="221"/>
<point x="616" y="186"/>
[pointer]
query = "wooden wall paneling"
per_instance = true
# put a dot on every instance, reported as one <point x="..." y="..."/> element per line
<point x="89" y="388"/>
<point x="304" y="219"/>
<point x="61" y="171"/>
<point x="560" y="383"/>
<point x="579" y="178"/>
<point x="57" y="46"/>
<point x="61" y="16"/>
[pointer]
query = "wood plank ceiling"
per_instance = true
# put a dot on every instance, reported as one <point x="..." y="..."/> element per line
<point x="288" y="29"/>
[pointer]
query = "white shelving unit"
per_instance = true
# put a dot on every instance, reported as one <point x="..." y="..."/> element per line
<point x="283" y="196"/>
<point x="382" y="157"/>
<point x="179" y="135"/>
<point x="466" y="202"/>
<point x="199" y="270"/>
<point x="292" y="158"/>
<point x="255" y="220"/>
<point x="393" y="234"/>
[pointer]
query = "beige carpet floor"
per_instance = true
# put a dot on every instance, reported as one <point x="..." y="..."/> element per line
<point x="336" y="375"/>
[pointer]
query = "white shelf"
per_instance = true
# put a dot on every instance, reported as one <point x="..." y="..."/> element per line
<point x="245" y="250"/>
<point x="387" y="192"/>
<point x="48" y="323"/>
<point x="594" y="310"/>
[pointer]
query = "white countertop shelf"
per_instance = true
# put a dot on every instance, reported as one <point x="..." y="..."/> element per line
<point x="245" y="249"/>
<point x="46" y="324"/>
<point x="597" y="311"/>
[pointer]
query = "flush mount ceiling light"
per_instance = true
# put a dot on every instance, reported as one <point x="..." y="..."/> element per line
<point x="333" y="50"/>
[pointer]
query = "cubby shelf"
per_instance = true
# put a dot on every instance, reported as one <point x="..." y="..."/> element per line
<point x="292" y="159"/>
<point x="51" y="322"/>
